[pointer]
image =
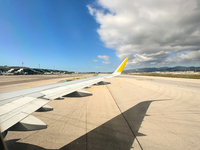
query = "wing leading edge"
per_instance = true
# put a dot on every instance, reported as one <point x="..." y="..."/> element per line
<point x="15" y="107"/>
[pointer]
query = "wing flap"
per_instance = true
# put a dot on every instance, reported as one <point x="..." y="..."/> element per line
<point x="25" y="107"/>
<point x="30" y="123"/>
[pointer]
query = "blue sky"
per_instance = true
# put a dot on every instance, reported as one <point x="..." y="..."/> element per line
<point x="58" y="33"/>
<point x="96" y="35"/>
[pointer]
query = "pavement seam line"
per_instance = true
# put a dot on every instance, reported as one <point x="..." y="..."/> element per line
<point x="86" y="139"/>
<point x="124" y="118"/>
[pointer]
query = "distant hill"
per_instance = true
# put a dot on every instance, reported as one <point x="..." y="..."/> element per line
<point x="164" y="69"/>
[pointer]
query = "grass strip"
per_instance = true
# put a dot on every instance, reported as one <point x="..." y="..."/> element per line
<point x="188" y="76"/>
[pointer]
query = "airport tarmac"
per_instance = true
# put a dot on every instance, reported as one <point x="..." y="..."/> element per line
<point x="133" y="112"/>
<point x="18" y="82"/>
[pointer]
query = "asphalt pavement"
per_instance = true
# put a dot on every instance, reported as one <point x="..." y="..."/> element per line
<point x="133" y="112"/>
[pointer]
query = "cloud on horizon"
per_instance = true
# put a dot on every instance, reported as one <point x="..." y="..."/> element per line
<point x="150" y="33"/>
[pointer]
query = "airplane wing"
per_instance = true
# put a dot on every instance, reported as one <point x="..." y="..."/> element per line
<point x="16" y="107"/>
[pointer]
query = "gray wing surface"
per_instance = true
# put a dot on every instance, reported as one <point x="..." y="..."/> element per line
<point x="18" y="105"/>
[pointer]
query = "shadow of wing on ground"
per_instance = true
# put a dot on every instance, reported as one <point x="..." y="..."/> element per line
<point x="117" y="133"/>
<point x="114" y="134"/>
<point x="14" y="145"/>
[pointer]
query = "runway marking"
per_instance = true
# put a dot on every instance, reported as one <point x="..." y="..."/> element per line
<point x="143" y="79"/>
<point x="104" y="88"/>
<point x="115" y="85"/>
<point x="30" y="85"/>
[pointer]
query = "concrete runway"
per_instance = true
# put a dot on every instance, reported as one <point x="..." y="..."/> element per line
<point x="133" y="112"/>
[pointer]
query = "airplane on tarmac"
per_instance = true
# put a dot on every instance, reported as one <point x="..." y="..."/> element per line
<point x="16" y="107"/>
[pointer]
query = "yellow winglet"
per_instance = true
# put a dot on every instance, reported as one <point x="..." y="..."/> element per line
<point x="121" y="67"/>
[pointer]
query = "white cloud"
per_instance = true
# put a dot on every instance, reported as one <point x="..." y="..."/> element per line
<point x="106" y="59"/>
<point x="105" y="62"/>
<point x="185" y="58"/>
<point x="149" y="31"/>
<point x="94" y="60"/>
<point x="97" y="67"/>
